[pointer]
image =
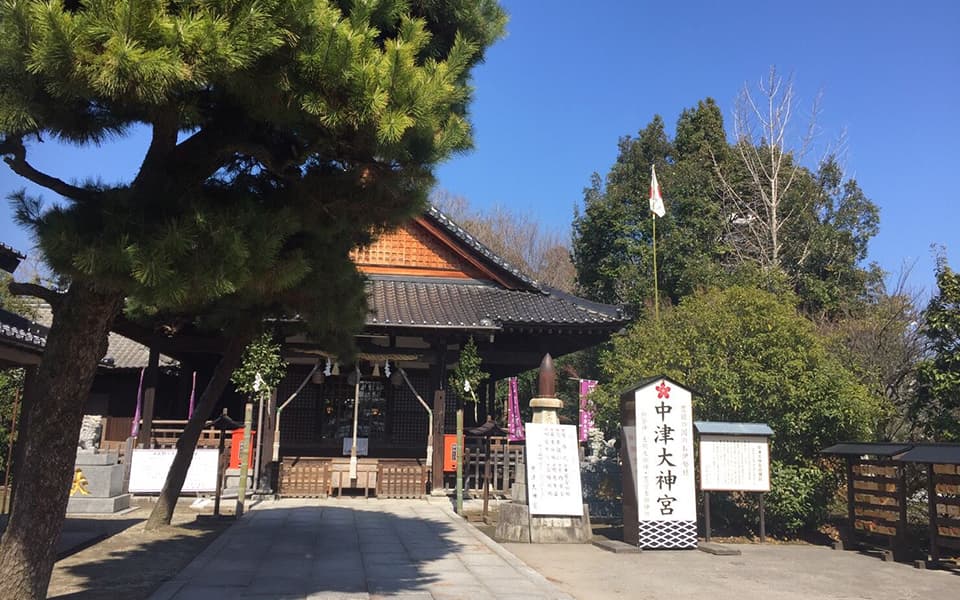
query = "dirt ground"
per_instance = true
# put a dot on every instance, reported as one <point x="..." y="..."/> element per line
<point x="131" y="563"/>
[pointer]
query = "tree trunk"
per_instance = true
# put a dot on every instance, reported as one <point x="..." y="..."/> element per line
<point x="167" y="502"/>
<point x="76" y="343"/>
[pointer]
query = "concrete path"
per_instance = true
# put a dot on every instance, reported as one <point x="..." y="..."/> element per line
<point x="768" y="572"/>
<point x="355" y="549"/>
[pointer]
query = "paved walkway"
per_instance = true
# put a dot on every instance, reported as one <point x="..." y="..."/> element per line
<point x="355" y="549"/>
<point x="768" y="572"/>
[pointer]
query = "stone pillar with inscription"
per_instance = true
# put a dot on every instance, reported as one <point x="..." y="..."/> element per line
<point x="547" y="500"/>
<point x="97" y="486"/>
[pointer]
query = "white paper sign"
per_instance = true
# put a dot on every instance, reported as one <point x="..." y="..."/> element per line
<point x="734" y="463"/>
<point x="363" y="446"/>
<point x="665" y="469"/>
<point x="149" y="468"/>
<point x="553" y="470"/>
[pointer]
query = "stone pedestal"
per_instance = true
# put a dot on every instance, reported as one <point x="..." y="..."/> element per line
<point x="513" y="524"/>
<point x="97" y="486"/>
<point x="545" y="529"/>
<point x="516" y="524"/>
<point x="546" y="410"/>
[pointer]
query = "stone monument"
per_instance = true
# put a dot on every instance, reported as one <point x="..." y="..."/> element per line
<point x="97" y="486"/>
<point x="546" y="504"/>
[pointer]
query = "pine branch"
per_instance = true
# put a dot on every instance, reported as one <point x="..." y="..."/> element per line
<point x="19" y="288"/>
<point x="162" y="144"/>
<point x="15" y="155"/>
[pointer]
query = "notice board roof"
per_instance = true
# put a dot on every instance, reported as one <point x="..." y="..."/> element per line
<point x="866" y="448"/>
<point x="722" y="428"/>
<point x="943" y="454"/>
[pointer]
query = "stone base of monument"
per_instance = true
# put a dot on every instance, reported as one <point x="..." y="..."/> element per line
<point x="97" y="485"/>
<point x="516" y="524"/>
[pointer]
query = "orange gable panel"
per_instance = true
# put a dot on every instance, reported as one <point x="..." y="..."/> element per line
<point x="415" y="249"/>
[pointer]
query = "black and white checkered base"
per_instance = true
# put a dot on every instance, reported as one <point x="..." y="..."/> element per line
<point x="668" y="534"/>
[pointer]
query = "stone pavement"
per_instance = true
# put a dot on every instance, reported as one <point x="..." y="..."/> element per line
<point x="767" y="571"/>
<point x="355" y="549"/>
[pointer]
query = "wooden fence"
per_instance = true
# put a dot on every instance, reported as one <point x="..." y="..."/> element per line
<point x="505" y="458"/>
<point x="313" y="477"/>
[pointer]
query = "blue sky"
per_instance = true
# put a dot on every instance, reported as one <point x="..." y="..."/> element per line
<point x="555" y="95"/>
<point x="571" y="77"/>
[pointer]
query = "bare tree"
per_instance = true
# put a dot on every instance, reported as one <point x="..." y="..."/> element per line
<point x="518" y="238"/>
<point x="757" y="188"/>
<point x="884" y="345"/>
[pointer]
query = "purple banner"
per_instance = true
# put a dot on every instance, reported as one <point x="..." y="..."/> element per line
<point x="586" y="408"/>
<point x="515" y="432"/>
<point x="135" y="426"/>
<point x="193" y="395"/>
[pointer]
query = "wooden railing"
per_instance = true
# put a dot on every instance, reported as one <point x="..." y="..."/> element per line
<point x="164" y="434"/>
<point x="505" y="458"/>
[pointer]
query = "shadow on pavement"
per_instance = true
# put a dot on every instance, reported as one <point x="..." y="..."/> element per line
<point x="132" y="566"/>
<point x="295" y="552"/>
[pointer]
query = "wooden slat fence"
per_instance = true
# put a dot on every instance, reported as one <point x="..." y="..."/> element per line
<point x="304" y="477"/>
<point x="505" y="458"/>
<point x="401" y="479"/>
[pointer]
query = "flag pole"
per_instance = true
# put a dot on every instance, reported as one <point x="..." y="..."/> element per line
<point x="656" y="210"/>
<point x="656" y="285"/>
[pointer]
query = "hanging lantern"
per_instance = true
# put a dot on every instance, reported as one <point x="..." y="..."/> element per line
<point x="318" y="376"/>
<point x="376" y="370"/>
<point x="336" y="369"/>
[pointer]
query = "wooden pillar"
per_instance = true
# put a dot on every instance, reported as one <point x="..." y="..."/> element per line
<point x="29" y="378"/>
<point x="182" y="397"/>
<point x="266" y="441"/>
<point x="851" y="505"/>
<point x="900" y="541"/>
<point x="492" y="398"/>
<point x="149" y="394"/>
<point x="932" y="510"/>
<point x="438" y="376"/>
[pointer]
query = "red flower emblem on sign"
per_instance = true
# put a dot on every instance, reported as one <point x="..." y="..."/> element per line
<point x="663" y="390"/>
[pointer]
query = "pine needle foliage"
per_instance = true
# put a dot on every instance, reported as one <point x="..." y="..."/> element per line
<point x="283" y="133"/>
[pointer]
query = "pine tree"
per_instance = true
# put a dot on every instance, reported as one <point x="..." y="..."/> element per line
<point x="281" y="131"/>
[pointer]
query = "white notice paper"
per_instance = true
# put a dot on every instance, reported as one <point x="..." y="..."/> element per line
<point x="148" y="470"/>
<point x="553" y="470"/>
<point x="734" y="463"/>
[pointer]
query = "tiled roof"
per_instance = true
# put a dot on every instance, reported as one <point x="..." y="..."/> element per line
<point x="22" y="332"/>
<point x="426" y="302"/>
<point x="476" y="245"/>
<point x="122" y="352"/>
<point x="9" y="258"/>
<point x="128" y="354"/>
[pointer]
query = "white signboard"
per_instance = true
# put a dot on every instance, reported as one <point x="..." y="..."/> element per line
<point x="553" y="470"/>
<point x="363" y="446"/>
<point x="734" y="463"/>
<point x="148" y="470"/>
<point x="666" y="500"/>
